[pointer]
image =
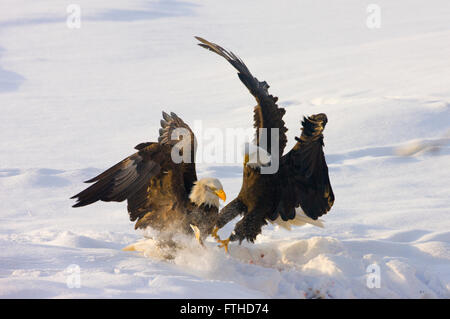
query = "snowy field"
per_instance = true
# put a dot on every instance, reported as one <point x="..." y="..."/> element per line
<point x="74" y="101"/>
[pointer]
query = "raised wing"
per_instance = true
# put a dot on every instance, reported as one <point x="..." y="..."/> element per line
<point x="267" y="114"/>
<point x="304" y="179"/>
<point x="143" y="178"/>
<point x="176" y="133"/>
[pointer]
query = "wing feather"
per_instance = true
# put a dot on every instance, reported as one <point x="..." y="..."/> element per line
<point x="166" y="136"/>
<point x="304" y="179"/>
<point x="141" y="174"/>
<point x="120" y="181"/>
<point x="267" y="114"/>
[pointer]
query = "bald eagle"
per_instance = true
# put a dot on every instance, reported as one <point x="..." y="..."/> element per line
<point x="300" y="190"/>
<point x="161" y="193"/>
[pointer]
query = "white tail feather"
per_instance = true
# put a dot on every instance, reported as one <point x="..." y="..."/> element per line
<point x="299" y="220"/>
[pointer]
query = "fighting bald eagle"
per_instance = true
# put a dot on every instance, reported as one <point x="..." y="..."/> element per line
<point x="301" y="183"/>
<point x="161" y="193"/>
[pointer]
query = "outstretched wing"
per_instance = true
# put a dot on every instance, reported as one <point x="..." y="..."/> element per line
<point x="304" y="179"/>
<point x="138" y="178"/>
<point x="123" y="179"/>
<point x="267" y="114"/>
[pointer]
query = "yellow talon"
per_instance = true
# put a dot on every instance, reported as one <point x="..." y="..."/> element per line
<point x="224" y="243"/>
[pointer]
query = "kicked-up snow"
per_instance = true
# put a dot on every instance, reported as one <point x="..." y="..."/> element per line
<point x="75" y="101"/>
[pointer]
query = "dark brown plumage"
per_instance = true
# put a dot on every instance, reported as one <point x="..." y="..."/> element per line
<point x="158" y="190"/>
<point x="302" y="178"/>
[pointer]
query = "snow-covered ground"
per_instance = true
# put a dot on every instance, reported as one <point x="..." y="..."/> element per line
<point x="75" y="101"/>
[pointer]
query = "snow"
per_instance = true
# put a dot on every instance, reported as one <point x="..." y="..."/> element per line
<point x="75" y="101"/>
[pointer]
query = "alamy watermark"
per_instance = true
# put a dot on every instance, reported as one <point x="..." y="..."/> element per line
<point x="73" y="276"/>
<point x="74" y="16"/>
<point x="373" y="20"/>
<point x="227" y="146"/>
<point x="373" y="279"/>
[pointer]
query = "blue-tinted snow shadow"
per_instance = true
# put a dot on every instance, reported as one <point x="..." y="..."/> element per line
<point x="153" y="10"/>
<point x="7" y="172"/>
<point x="31" y="21"/>
<point x="160" y="9"/>
<point x="369" y="151"/>
<point x="47" y="177"/>
<point x="9" y="80"/>
<point x="289" y="103"/>
<point x="225" y="171"/>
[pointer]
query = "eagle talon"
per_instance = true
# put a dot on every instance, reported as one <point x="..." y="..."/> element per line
<point x="224" y="243"/>
<point x="197" y="234"/>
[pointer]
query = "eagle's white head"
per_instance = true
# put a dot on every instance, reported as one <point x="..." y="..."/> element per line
<point x="207" y="191"/>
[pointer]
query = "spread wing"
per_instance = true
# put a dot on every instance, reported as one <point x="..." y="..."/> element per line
<point x="267" y="114"/>
<point x="304" y="179"/>
<point x="138" y="178"/>
<point x="123" y="179"/>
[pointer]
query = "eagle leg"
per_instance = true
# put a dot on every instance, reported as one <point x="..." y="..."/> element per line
<point x="223" y="243"/>
<point x="234" y="208"/>
<point x="248" y="227"/>
<point x="214" y="233"/>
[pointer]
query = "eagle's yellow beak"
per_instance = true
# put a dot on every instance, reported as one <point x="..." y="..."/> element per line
<point x="221" y="194"/>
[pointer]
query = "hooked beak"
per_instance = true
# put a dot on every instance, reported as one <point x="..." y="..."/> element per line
<point x="221" y="194"/>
